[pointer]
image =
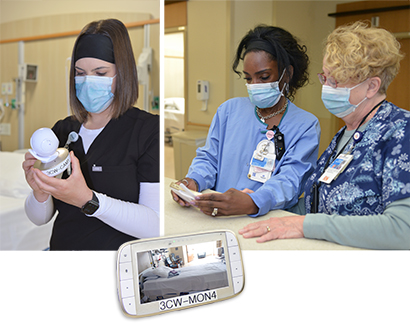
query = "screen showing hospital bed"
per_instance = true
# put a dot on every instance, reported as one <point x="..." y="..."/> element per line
<point x="164" y="274"/>
<point x="183" y="270"/>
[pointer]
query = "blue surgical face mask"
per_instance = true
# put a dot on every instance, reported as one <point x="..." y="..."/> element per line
<point x="94" y="92"/>
<point x="336" y="100"/>
<point x="264" y="95"/>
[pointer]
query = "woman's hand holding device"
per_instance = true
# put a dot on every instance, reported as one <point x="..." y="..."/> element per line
<point x="231" y="202"/>
<point x="72" y="190"/>
<point x="178" y="193"/>
<point x="44" y="165"/>
<point x="29" y="173"/>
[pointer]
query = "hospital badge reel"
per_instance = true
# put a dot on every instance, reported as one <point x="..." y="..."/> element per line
<point x="263" y="161"/>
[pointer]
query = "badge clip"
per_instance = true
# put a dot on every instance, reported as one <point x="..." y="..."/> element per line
<point x="262" y="162"/>
<point x="336" y="168"/>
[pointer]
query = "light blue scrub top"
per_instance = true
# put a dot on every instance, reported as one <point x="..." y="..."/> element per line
<point x="235" y="132"/>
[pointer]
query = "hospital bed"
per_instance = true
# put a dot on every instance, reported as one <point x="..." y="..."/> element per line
<point x="17" y="232"/>
<point x="174" y="110"/>
<point x="189" y="279"/>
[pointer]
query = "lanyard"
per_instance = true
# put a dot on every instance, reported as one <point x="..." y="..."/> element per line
<point x="315" y="187"/>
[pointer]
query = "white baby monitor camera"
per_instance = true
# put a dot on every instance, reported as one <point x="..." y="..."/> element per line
<point x="44" y="143"/>
<point x="52" y="161"/>
<point x="159" y="275"/>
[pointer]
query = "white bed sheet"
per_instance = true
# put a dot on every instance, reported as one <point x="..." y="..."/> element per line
<point x="190" y="279"/>
<point x="174" y="111"/>
<point x="17" y="232"/>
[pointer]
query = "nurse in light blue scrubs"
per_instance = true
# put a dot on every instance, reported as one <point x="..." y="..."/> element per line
<point x="260" y="149"/>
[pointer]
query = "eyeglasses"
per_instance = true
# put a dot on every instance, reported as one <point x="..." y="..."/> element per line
<point x="322" y="78"/>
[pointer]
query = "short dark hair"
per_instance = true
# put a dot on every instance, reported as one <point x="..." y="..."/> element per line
<point x="282" y="47"/>
<point x="126" y="89"/>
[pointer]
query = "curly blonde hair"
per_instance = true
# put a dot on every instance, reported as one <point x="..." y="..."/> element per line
<point x="356" y="52"/>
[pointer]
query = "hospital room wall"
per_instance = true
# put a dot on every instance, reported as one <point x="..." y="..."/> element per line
<point x="46" y="100"/>
<point x="210" y="51"/>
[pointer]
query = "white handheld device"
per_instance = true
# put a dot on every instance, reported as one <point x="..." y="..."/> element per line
<point x="171" y="273"/>
<point x="184" y="192"/>
<point x="51" y="160"/>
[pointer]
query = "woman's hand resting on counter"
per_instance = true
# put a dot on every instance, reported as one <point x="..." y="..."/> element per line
<point x="274" y="228"/>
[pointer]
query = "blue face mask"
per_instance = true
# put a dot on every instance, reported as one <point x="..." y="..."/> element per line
<point x="94" y="92"/>
<point x="336" y="100"/>
<point x="264" y="95"/>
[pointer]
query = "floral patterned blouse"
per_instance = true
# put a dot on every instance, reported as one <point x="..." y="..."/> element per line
<point x="379" y="173"/>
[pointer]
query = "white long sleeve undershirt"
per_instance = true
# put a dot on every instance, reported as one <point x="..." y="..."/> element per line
<point x="138" y="220"/>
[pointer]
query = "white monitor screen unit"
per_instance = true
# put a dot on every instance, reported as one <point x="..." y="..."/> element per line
<point x="170" y="273"/>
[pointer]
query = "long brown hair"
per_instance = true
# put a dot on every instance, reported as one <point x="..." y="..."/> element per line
<point x="126" y="89"/>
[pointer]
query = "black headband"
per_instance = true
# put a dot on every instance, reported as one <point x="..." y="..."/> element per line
<point x="94" y="46"/>
<point x="261" y="45"/>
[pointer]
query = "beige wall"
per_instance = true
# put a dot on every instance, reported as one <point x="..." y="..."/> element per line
<point x="211" y="50"/>
<point x="312" y="29"/>
<point x="207" y="56"/>
<point x="245" y="16"/>
<point x="46" y="99"/>
<point x="12" y="10"/>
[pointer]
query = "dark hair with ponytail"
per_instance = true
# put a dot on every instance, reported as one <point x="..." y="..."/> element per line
<point x="282" y="47"/>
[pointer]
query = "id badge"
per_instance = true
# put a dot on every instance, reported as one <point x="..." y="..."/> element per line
<point x="262" y="162"/>
<point x="336" y="168"/>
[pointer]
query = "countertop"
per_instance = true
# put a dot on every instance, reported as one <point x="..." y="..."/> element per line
<point x="184" y="220"/>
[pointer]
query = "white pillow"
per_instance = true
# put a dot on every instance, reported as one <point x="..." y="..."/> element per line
<point x="161" y="271"/>
<point x="12" y="180"/>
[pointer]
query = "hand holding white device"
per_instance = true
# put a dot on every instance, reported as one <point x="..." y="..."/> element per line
<point x="184" y="192"/>
<point x="52" y="161"/>
<point x="172" y="273"/>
